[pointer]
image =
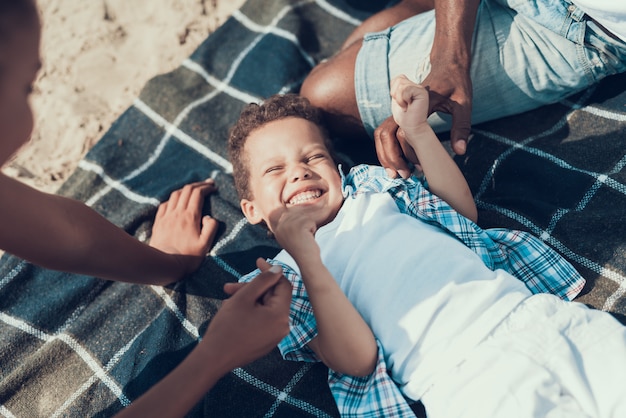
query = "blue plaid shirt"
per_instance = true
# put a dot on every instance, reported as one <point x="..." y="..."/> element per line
<point x="523" y="255"/>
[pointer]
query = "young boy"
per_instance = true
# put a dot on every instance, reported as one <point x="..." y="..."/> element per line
<point x="401" y="294"/>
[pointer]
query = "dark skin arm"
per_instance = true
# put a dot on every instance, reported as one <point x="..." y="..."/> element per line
<point x="64" y="234"/>
<point x="448" y="83"/>
<point x="247" y="326"/>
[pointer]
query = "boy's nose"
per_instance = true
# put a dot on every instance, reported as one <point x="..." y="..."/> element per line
<point x="301" y="172"/>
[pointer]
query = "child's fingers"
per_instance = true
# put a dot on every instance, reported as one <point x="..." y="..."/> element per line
<point x="404" y="91"/>
<point x="408" y="95"/>
<point x="399" y="93"/>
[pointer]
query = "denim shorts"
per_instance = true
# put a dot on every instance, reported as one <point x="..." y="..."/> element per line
<point x="525" y="54"/>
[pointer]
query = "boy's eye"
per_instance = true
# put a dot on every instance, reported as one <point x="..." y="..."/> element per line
<point x="272" y="169"/>
<point x="315" y="157"/>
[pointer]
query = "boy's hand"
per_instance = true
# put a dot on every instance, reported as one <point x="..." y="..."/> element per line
<point x="179" y="227"/>
<point x="295" y="232"/>
<point x="409" y="105"/>
<point x="254" y="319"/>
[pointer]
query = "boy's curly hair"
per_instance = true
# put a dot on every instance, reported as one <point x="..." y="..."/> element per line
<point x="254" y="116"/>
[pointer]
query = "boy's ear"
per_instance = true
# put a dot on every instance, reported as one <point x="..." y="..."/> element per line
<point x="250" y="212"/>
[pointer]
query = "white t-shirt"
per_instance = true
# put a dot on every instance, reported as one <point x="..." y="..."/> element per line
<point x="609" y="13"/>
<point x="426" y="296"/>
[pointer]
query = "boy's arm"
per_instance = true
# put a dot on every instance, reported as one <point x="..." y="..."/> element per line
<point x="410" y="109"/>
<point x="247" y="326"/>
<point x="344" y="341"/>
<point x="64" y="234"/>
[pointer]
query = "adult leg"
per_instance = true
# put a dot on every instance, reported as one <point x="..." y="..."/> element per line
<point x="518" y="62"/>
<point x="388" y="17"/>
<point x="330" y="85"/>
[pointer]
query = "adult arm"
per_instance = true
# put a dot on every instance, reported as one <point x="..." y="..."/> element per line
<point x="448" y="83"/>
<point x="409" y="107"/>
<point x="64" y="234"/>
<point x="344" y="341"/>
<point x="247" y="326"/>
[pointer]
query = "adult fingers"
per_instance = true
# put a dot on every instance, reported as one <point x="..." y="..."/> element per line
<point x="232" y="288"/>
<point x="409" y="152"/>
<point x="261" y="284"/>
<point x="191" y="195"/>
<point x="388" y="148"/>
<point x="198" y="192"/>
<point x="209" y="230"/>
<point x="282" y="293"/>
<point x="161" y="211"/>
<point x="461" y="127"/>
<point x="262" y="264"/>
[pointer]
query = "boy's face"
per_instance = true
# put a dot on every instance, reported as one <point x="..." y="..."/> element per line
<point x="19" y="63"/>
<point x="290" y="169"/>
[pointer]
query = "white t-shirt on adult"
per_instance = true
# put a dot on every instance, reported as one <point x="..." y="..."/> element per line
<point x="426" y="296"/>
<point x="609" y="13"/>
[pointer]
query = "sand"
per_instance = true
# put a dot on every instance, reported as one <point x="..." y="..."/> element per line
<point x="97" y="55"/>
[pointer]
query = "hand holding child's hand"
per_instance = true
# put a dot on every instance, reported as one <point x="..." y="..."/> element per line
<point x="253" y="320"/>
<point x="179" y="227"/>
<point x="409" y="105"/>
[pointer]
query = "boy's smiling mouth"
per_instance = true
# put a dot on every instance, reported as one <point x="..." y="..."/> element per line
<point x="304" y="196"/>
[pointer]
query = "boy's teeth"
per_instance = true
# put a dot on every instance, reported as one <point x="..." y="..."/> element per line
<point x="304" y="196"/>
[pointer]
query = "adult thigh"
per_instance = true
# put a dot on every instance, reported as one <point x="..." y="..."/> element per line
<point x="330" y="86"/>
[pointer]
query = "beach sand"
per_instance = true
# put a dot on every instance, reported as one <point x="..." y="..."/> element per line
<point x="97" y="55"/>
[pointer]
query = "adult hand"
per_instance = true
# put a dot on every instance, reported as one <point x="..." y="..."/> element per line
<point x="254" y="319"/>
<point x="246" y="327"/>
<point x="179" y="227"/>
<point x="450" y="91"/>
<point x="392" y="149"/>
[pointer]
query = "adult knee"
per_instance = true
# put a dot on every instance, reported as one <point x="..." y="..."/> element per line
<point x="320" y="87"/>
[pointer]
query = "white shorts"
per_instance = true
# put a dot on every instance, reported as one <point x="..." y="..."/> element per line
<point x="549" y="358"/>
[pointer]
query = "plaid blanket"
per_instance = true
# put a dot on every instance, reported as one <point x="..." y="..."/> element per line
<point x="79" y="346"/>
